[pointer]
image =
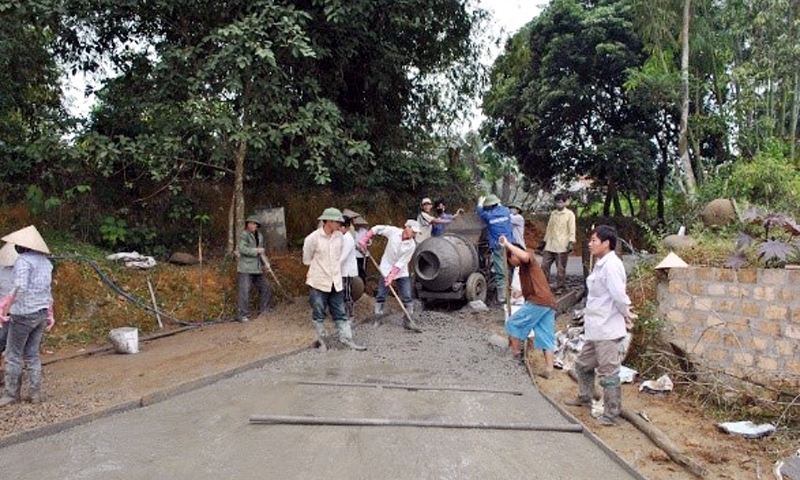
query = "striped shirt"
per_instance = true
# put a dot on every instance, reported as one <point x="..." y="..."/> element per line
<point x="33" y="274"/>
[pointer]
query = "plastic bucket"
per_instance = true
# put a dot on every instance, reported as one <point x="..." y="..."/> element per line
<point x="125" y="340"/>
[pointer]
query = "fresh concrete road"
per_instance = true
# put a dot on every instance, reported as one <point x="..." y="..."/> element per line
<point x="205" y="434"/>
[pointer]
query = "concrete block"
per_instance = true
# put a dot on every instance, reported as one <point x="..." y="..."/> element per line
<point x="792" y="331"/>
<point x="747" y="275"/>
<point x="759" y="343"/>
<point x="739" y="325"/>
<point x="764" y="293"/>
<point x="768" y="364"/>
<point x="727" y="275"/>
<point x="735" y="291"/>
<point x="772" y="276"/>
<point x="751" y="309"/>
<point x="677" y="286"/>
<point x="696" y="289"/>
<point x="707" y="274"/>
<point x="717" y="354"/>
<point x="683" y="301"/>
<point x="743" y="358"/>
<point x="769" y="327"/>
<point x="792" y="366"/>
<point x="676" y="316"/>
<point x="716" y="290"/>
<point x="785" y="347"/>
<point x="703" y="304"/>
<point x="776" y="312"/>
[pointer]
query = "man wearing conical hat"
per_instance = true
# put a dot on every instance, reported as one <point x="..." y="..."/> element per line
<point x="250" y="269"/>
<point x="360" y="225"/>
<point x="28" y="311"/>
<point x="322" y="253"/>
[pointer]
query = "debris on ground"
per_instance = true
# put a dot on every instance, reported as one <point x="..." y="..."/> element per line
<point x="626" y="374"/>
<point x="662" y="385"/>
<point x="789" y="468"/>
<point x="133" y="259"/>
<point x="747" y="429"/>
<point x="478" y="306"/>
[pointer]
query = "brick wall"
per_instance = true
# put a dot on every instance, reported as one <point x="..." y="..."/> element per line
<point x="743" y="322"/>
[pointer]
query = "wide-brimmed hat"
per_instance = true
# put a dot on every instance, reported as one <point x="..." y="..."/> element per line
<point x="8" y="255"/>
<point x="491" y="200"/>
<point x="27" y="237"/>
<point x="514" y="205"/>
<point x="331" y="214"/>
<point x="414" y="225"/>
<point x="360" y="221"/>
<point x="253" y="218"/>
<point x="426" y="200"/>
<point x="350" y="214"/>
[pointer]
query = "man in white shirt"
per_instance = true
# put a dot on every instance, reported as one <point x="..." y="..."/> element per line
<point x="605" y="317"/>
<point x="517" y="224"/>
<point x="322" y="252"/>
<point x="349" y="267"/>
<point x="394" y="265"/>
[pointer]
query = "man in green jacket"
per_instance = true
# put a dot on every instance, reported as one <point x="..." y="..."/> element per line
<point x="250" y="269"/>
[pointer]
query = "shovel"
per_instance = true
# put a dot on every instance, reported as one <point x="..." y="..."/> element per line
<point x="268" y="268"/>
<point x="411" y="325"/>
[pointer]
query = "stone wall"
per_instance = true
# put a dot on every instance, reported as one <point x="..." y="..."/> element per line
<point x="745" y="322"/>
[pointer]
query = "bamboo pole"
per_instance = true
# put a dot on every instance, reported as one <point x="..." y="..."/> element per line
<point x="155" y="305"/>
<point x="389" y="422"/>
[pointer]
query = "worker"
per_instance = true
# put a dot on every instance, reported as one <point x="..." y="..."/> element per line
<point x="537" y="313"/>
<point x="28" y="313"/>
<point x="349" y="267"/>
<point x="498" y="223"/>
<point x="517" y="224"/>
<point x="427" y="220"/>
<point x="607" y="312"/>
<point x="446" y="218"/>
<point x="559" y="238"/>
<point x="394" y="266"/>
<point x="250" y="269"/>
<point x="360" y="224"/>
<point x="322" y="253"/>
<point x="8" y="255"/>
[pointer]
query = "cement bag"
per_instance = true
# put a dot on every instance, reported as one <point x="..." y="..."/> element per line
<point x="125" y="340"/>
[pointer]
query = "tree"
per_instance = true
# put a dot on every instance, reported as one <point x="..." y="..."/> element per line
<point x="322" y="86"/>
<point x="566" y="112"/>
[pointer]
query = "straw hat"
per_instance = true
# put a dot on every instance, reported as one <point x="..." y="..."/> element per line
<point x="8" y="255"/>
<point x="332" y="214"/>
<point x="360" y="221"/>
<point x="672" y="261"/>
<point x="28" y="237"/>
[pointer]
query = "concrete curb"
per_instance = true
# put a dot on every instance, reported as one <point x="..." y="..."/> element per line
<point x="144" y="401"/>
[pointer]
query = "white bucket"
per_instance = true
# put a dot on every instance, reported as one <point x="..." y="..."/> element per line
<point x="125" y="340"/>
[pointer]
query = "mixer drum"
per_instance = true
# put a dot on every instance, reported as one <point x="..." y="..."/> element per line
<point x="442" y="262"/>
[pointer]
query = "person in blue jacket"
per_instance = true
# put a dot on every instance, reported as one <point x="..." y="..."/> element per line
<point x="498" y="223"/>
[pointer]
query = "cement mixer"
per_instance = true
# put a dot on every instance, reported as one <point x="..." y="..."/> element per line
<point x="455" y="265"/>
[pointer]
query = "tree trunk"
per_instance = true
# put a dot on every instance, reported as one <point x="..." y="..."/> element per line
<point x="683" y="139"/>
<point x="795" y="110"/>
<point x="238" y="194"/>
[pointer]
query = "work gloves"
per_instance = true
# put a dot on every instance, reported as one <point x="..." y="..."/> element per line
<point x="392" y="275"/>
<point x="51" y="319"/>
<point x="362" y="244"/>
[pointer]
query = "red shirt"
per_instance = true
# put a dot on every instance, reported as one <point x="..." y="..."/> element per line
<point x="535" y="287"/>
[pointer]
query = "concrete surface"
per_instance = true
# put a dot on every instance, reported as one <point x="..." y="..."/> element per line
<point x="205" y="433"/>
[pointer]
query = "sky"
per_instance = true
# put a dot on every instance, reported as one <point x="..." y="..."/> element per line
<point x="508" y="17"/>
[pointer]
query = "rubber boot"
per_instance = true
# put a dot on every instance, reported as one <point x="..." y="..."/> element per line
<point x="408" y="320"/>
<point x="348" y="310"/>
<point x="36" y="386"/>
<point x="346" y="337"/>
<point x="378" y="313"/>
<point x="319" y="328"/>
<point x="11" y="395"/>
<point x="612" y="402"/>
<point x="585" y="389"/>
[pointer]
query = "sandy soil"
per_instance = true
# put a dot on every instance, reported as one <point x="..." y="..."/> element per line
<point x="91" y="383"/>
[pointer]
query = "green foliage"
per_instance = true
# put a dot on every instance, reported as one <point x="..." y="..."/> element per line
<point x="113" y="230"/>
<point x="769" y="180"/>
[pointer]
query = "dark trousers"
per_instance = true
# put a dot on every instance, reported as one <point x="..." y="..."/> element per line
<point x="561" y="266"/>
<point x="362" y="268"/>
<point x="264" y="293"/>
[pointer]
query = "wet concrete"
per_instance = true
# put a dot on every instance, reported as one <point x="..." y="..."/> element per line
<point x="206" y="433"/>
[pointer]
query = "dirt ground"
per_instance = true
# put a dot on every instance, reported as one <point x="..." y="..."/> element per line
<point x="86" y="384"/>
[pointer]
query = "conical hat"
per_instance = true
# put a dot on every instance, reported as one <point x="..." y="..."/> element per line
<point x="8" y="255"/>
<point x="28" y="237"/>
<point x="350" y="214"/>
<point x="672" y="261"/>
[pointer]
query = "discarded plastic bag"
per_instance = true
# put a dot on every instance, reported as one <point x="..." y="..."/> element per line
<point x="747" y="429"/>
<point x="662" y="385"/>
<point x="626" y="375"/>
<point x="125" y="340"/>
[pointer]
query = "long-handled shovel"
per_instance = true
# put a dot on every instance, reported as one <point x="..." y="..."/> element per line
<point x="267" y="267"/>
<point x="507" y="283"/>
<point x="409" y="324"/>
